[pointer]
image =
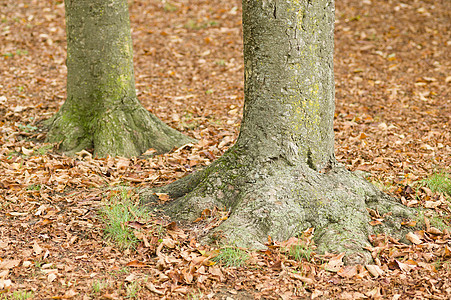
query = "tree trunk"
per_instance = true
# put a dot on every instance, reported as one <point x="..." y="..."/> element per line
<point x="281" y="176"/>
<point x="101" y="110"/>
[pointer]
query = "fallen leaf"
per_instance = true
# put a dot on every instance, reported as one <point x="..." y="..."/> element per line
<point x="316" y="294"/>
<point x="5" y="284"/>
<point x="348" y="271"/>
<point x="130" y="278"/>
<point x="9" y="264"/>
<point x="152" y="288"/>
<point x="374" y="270"/>
<point x="415" y="239"/>
<point x="404" y="267"/>
<point x="27" y="151"/>
<point x="136" y="264"/>
<point x="374" y="293"/>
<point x="36" y="248"/>
<point x="169" y="243"/>
<point x="163" y="197"/>
<point x="335" y="263"/>
<point x="432" y="204"/>
<point x="301" y="278"/>
<point x="69" y="294"/>
<point x="51" y="277"/>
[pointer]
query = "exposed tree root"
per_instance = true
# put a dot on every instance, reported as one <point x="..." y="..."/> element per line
<point x="125" y="131"/>
<point x="281" y="200"/>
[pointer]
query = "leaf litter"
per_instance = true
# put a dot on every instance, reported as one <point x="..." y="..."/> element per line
<point x="392" y="124"/>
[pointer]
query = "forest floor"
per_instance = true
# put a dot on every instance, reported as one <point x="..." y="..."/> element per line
<point x="393" y="110"/>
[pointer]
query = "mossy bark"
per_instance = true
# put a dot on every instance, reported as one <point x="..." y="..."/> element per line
<point x="281" y="176"/>
<point x="101" y="111"/>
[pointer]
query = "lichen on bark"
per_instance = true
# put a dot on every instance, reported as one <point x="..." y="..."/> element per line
<point x="281" y="176"/>
<point x="101" y="111"/>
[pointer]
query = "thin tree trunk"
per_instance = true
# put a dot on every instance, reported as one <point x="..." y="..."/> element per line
<point x="102" y="111"/>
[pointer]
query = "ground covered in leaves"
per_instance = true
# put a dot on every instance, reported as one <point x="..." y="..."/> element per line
<point x="392" y="124"/>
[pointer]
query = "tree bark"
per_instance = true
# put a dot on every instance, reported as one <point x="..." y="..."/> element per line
<point x="102" y="111"/>
<point x="281" y="176"/>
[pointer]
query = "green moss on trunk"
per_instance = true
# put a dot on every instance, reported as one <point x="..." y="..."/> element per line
<point x="281" y="176"/>
<point x="101" y="110"/>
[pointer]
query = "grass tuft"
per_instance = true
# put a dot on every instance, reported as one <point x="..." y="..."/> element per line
<point x="300" y="252"/>
<point x="232" y="257"/>
<point x="116" y="215"/>
<point x="132" y="289"/>
<point x="439" y="182"/>
<point x="19" y="295"/>
<point x="98" y="286"/>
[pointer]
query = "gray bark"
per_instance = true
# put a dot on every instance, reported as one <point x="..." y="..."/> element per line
<point x="281" y="176"/>
<point x="101" y="110"/>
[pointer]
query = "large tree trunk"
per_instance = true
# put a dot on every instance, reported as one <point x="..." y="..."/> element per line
<point x="281" y="176"/>
<point x="102" y="111"/>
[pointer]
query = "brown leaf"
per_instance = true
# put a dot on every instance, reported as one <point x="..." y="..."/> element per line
<point x="169" y="243"/>
<point x="301" y="278"/>
<point x="51" y="277"/>
<point x="152" y="288"/>
<point x="9" y="264"/>
<point x="36" y="248"/>
<point x="375" y="293"/>
<point x="5" y="284"/>
<point x="374" y="270"/>
<point x="434" y="230"/>
<point x="375" y="222"/>
<point x="348" y="271"/>
<point x="163" y="197"/>
<point x="277" y="266"/>
<point x="316" y="294"/>
<point x="409" y="223"/>
<point x="432" y="204"/>
<point x="415" y="239"/>
<point x="215" y="271"/>
<point x="446" y="252"/>
<point x="335" y="263"/>
<point x="187" y="276"/>
<point x="69" y="294"/>
<point x="404" y="266"/>
<point x="136" y="264"/>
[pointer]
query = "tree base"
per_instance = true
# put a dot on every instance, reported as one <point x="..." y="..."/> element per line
<point x="125" y="131"/>
<point x="281" y="200"/>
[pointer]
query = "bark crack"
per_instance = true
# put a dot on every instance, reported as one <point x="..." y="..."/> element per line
<point x="310" y="160"/>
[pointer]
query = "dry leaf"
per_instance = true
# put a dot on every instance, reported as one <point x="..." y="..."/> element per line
<point x="69" y="294"/>
<point x="374" y="270"/>
<point x="136" y="264"/>
<point x="432" y="204"/>
<point x="335" y="263"/>
<point x="130" y="278"/>
<point x="51" y="277"/>
<point x="152" y="288"/>
<point x="163" y="197"/>
<point x="316" y="294"/>
<point x="348" y="271"/>
<point x="434" y="230"/>
<point x="169" y="243"/>
<point x="413" y="238"/>
<point x="301" y="278"/>
<point x="375" y="293"/>
<point x="5" y="284"/>
<point x="36" y="248"/>
<point x="405" y="267"/>
<point x="27" y="151"/>
<point x="9" y="264"/>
